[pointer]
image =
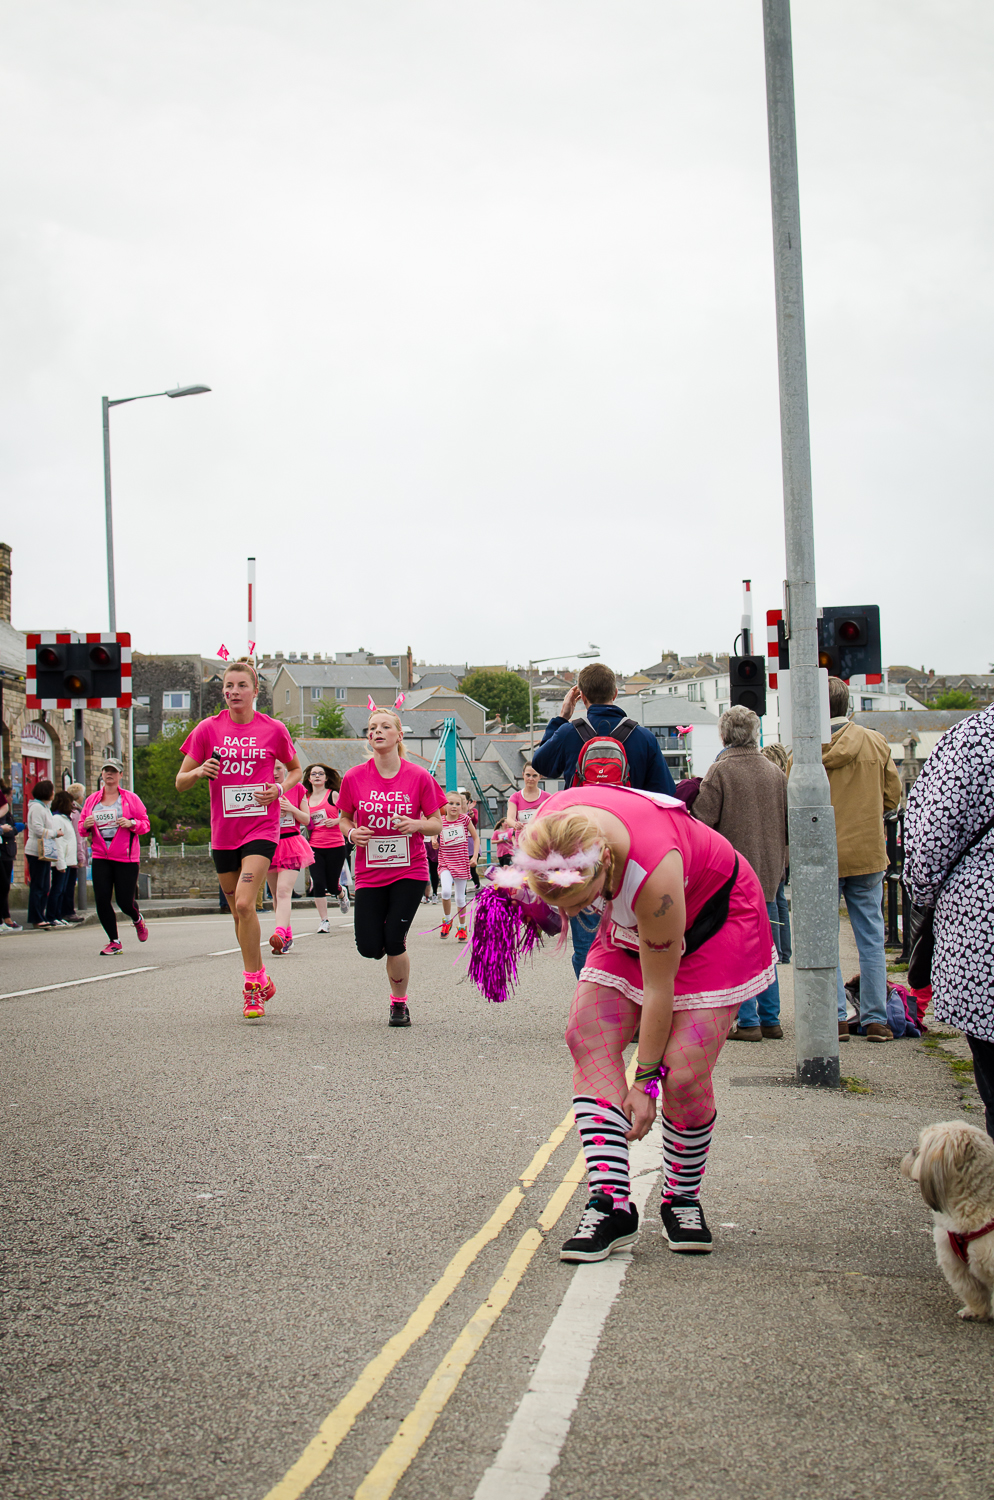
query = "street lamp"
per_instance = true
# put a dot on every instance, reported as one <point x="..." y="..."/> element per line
<point x="107" y="402"/>
<point x="537" y="662"/>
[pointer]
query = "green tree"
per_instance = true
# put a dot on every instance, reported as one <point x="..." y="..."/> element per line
<point x="155" y="781"/>
<point x="330" y="722"/>
<point x="503" y="693"/>
<point x="953" y="699"/>
<point x="293" y="727"/>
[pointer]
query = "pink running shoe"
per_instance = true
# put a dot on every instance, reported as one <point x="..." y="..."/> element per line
<point x="277" y="940"/>
<point x="141" y="929"/>
<point x="111" y="948"/>
<point x="446" y="927"/>
<point x="254" y="997"/>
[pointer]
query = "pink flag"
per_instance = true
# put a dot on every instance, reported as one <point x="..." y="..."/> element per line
<point x="684" y="728"/>
<point x="251" y="648"/>
<point x="370" y="704"/>
<point x="399" y="701"/>
<point x="223" y="652"/>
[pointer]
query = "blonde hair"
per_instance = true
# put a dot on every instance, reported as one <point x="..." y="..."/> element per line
<point x="77" y="791"/>
<point x="242" y="665"/>
<point x="779" y="755"/>
<point x="390" y="715"/>
<point x="565" y="833"/>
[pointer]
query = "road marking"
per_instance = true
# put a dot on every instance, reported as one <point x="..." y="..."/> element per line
<point x="538" y="1430"/>
<point x="68" y="984"/>
<point x="337" y="1425"/>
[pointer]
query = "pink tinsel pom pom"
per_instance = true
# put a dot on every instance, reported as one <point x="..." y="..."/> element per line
<point x="504" y="931"/>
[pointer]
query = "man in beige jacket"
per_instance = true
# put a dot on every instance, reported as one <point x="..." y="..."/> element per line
<point x="864" y="785"/>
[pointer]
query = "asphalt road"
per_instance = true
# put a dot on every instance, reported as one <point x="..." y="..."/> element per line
<point x="219" y="1236"/>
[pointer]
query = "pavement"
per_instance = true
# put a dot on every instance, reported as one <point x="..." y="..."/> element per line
<point x="317" y="1256"/>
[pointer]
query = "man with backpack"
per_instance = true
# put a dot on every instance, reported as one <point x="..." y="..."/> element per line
<point x="600" y="747"/>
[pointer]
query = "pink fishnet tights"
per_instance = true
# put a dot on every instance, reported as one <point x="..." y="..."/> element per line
<point x="602" y="1022"/>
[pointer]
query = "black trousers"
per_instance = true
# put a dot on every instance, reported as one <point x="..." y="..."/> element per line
<point x="6" y="876"/>
<point x="383" y="913"/>
<point x="326" y="871"/>
<point x="983" y="1073"/>
<point x="120" y="878"/>
<point x="433" y="875"/>
<point x="40" y="872"/>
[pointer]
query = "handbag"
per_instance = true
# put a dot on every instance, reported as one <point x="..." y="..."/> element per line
<point x="922" y="925"/>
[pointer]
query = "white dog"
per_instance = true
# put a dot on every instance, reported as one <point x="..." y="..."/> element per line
<point x="953" y="1166"/>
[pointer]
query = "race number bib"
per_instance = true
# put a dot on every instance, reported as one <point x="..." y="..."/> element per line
<point x="453" y="833"/>
<point x="525" y="814"/>
<point x="287" y="820"/>
<point x="239" y="801"/>
<point x="393" y="850"/>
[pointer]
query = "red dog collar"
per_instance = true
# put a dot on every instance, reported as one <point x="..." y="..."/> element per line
<point x="959" y="1242"/>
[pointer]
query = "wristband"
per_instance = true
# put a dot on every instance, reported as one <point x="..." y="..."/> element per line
<point x="351" y="837"/>
<point x="650" y="1077"/>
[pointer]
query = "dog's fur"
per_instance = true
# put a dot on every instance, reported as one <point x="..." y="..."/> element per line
<point x="953" y="1165"/>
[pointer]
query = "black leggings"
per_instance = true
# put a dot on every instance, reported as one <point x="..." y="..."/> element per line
<point x="326" y="871"/>
<point x="983" y="1074"/>
<point x="6" y="876"/>
<point x="383" y="913"/>
<point x="433" y="875"/>
<point x="119" y="877"/>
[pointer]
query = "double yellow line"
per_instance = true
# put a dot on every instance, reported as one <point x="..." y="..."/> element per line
<point x="386" y="1473"/>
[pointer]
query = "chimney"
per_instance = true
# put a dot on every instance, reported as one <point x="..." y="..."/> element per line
<point x="4" y="582"/>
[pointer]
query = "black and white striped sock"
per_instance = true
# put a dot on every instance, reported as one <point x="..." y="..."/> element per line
<point x="685" y="1155"/>
<point x="602" y="1128"/>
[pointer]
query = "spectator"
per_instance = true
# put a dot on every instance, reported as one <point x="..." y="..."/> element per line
<point x="948" y="806"/>
<point x="557" y="755"/>
<point x="864" y="785"/>
<point x="8" y="853"/>
<point x="744" y="797"/>
<point x="75" y="878"/>
<point x="780" y="756"/>
<point x="65" y="842"/>
<point x="40" y="826"/>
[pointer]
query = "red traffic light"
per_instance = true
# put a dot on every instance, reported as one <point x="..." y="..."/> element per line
<point x="100" y="656"/>
<point x="850" y="632"/>
<point x="49" y="657"/>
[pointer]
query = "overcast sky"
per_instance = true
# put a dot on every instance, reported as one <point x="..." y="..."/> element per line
<point x="485" y="296"/>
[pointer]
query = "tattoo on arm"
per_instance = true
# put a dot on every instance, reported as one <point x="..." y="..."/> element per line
<point x="658" y="947"/>
<point x="664" y="907"/>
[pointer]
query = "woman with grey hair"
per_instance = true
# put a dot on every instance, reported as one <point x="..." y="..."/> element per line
<point x="744" y="796"/>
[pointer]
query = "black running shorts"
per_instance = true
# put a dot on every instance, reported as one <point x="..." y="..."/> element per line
<point x="229" y="861"/>
<point x="383" y="913"/>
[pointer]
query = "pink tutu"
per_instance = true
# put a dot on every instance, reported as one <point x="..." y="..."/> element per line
<point x="294" y="853"/>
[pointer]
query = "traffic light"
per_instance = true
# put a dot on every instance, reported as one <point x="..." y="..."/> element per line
<point x="66" y="672"/>
<point x="747" y="682"/>
<point x="849" y="641"/>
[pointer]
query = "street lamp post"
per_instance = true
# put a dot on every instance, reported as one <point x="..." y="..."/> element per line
<point x="106" y="403"/>
<point x="537" y="662"/>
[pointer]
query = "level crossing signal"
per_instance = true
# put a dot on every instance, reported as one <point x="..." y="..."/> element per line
<point x="66" y="670"/>
<point x="849" y="641"/>
<point x="747" y="682"/>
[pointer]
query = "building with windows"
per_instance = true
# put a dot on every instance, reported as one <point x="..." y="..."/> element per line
<point x="299" y="688"/>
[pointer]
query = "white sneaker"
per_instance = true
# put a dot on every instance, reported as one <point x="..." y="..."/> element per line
<point x="343" y="904"/>
<point x="434" y="900"/>
<point x="324" y="926"/>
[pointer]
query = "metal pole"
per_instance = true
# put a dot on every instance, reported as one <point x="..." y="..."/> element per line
<point x="79" y="774"/>
<point x="451" y="770"/>
<point x="531" y="711"/>
<point x="813" y="857"/>
<point x="108" y="514"/>
<point x="747" y="617"/>
<point x="252" y="634"/>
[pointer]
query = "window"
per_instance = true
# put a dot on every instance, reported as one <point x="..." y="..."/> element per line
<point x="288" y="695"/>
<point x="692" y="693"/>
<point x="342" y="694"/>
<point x="179" y="701"/>
<point x="315" y="694"/>
<point x="903" y="702"/>
<point x="395" y="662"/>
<point x="314" y="722"/>
<point x="143" y="702"/>
<point x="866" y="705"/>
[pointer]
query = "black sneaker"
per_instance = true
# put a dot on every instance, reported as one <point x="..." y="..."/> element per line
<point x="399" y="1013"/>
<point x="602" y="1228"/>
<point x="684" y="1227"/>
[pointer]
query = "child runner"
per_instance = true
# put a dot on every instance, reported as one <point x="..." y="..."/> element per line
<point x="113" y="819"/>
<point x="387" y="806"/>
<point x="237" y="751"/>
<point x="522" y="806"/>
<point x="327" y="843"/>
<point x="293" y="853"/>
<point x="503" y="842"/>
<point x="455" y="860"/>
<point x="684" y="940"/>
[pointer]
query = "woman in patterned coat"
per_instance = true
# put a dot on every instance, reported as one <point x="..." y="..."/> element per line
<point x="948" y="806"/>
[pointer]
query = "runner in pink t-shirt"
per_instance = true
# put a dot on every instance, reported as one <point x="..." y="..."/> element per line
<point x="522" y="806"/>
<point x="293" y="854"/>
<point x="458" y="850"/>
<point x="387" y="806"/>
<point x="237" y="751"/>
<point x="328" y="846"/>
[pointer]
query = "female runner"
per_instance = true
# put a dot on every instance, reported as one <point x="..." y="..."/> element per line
<point x="327" y="842"/>
<point x="387" y="806"/>
<point x="685" y="938"/>
<point x="237" y="751"/>
<point x="114" y="819"/>
<point x="293" y="853"/>
<point x="522" y="806"/>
